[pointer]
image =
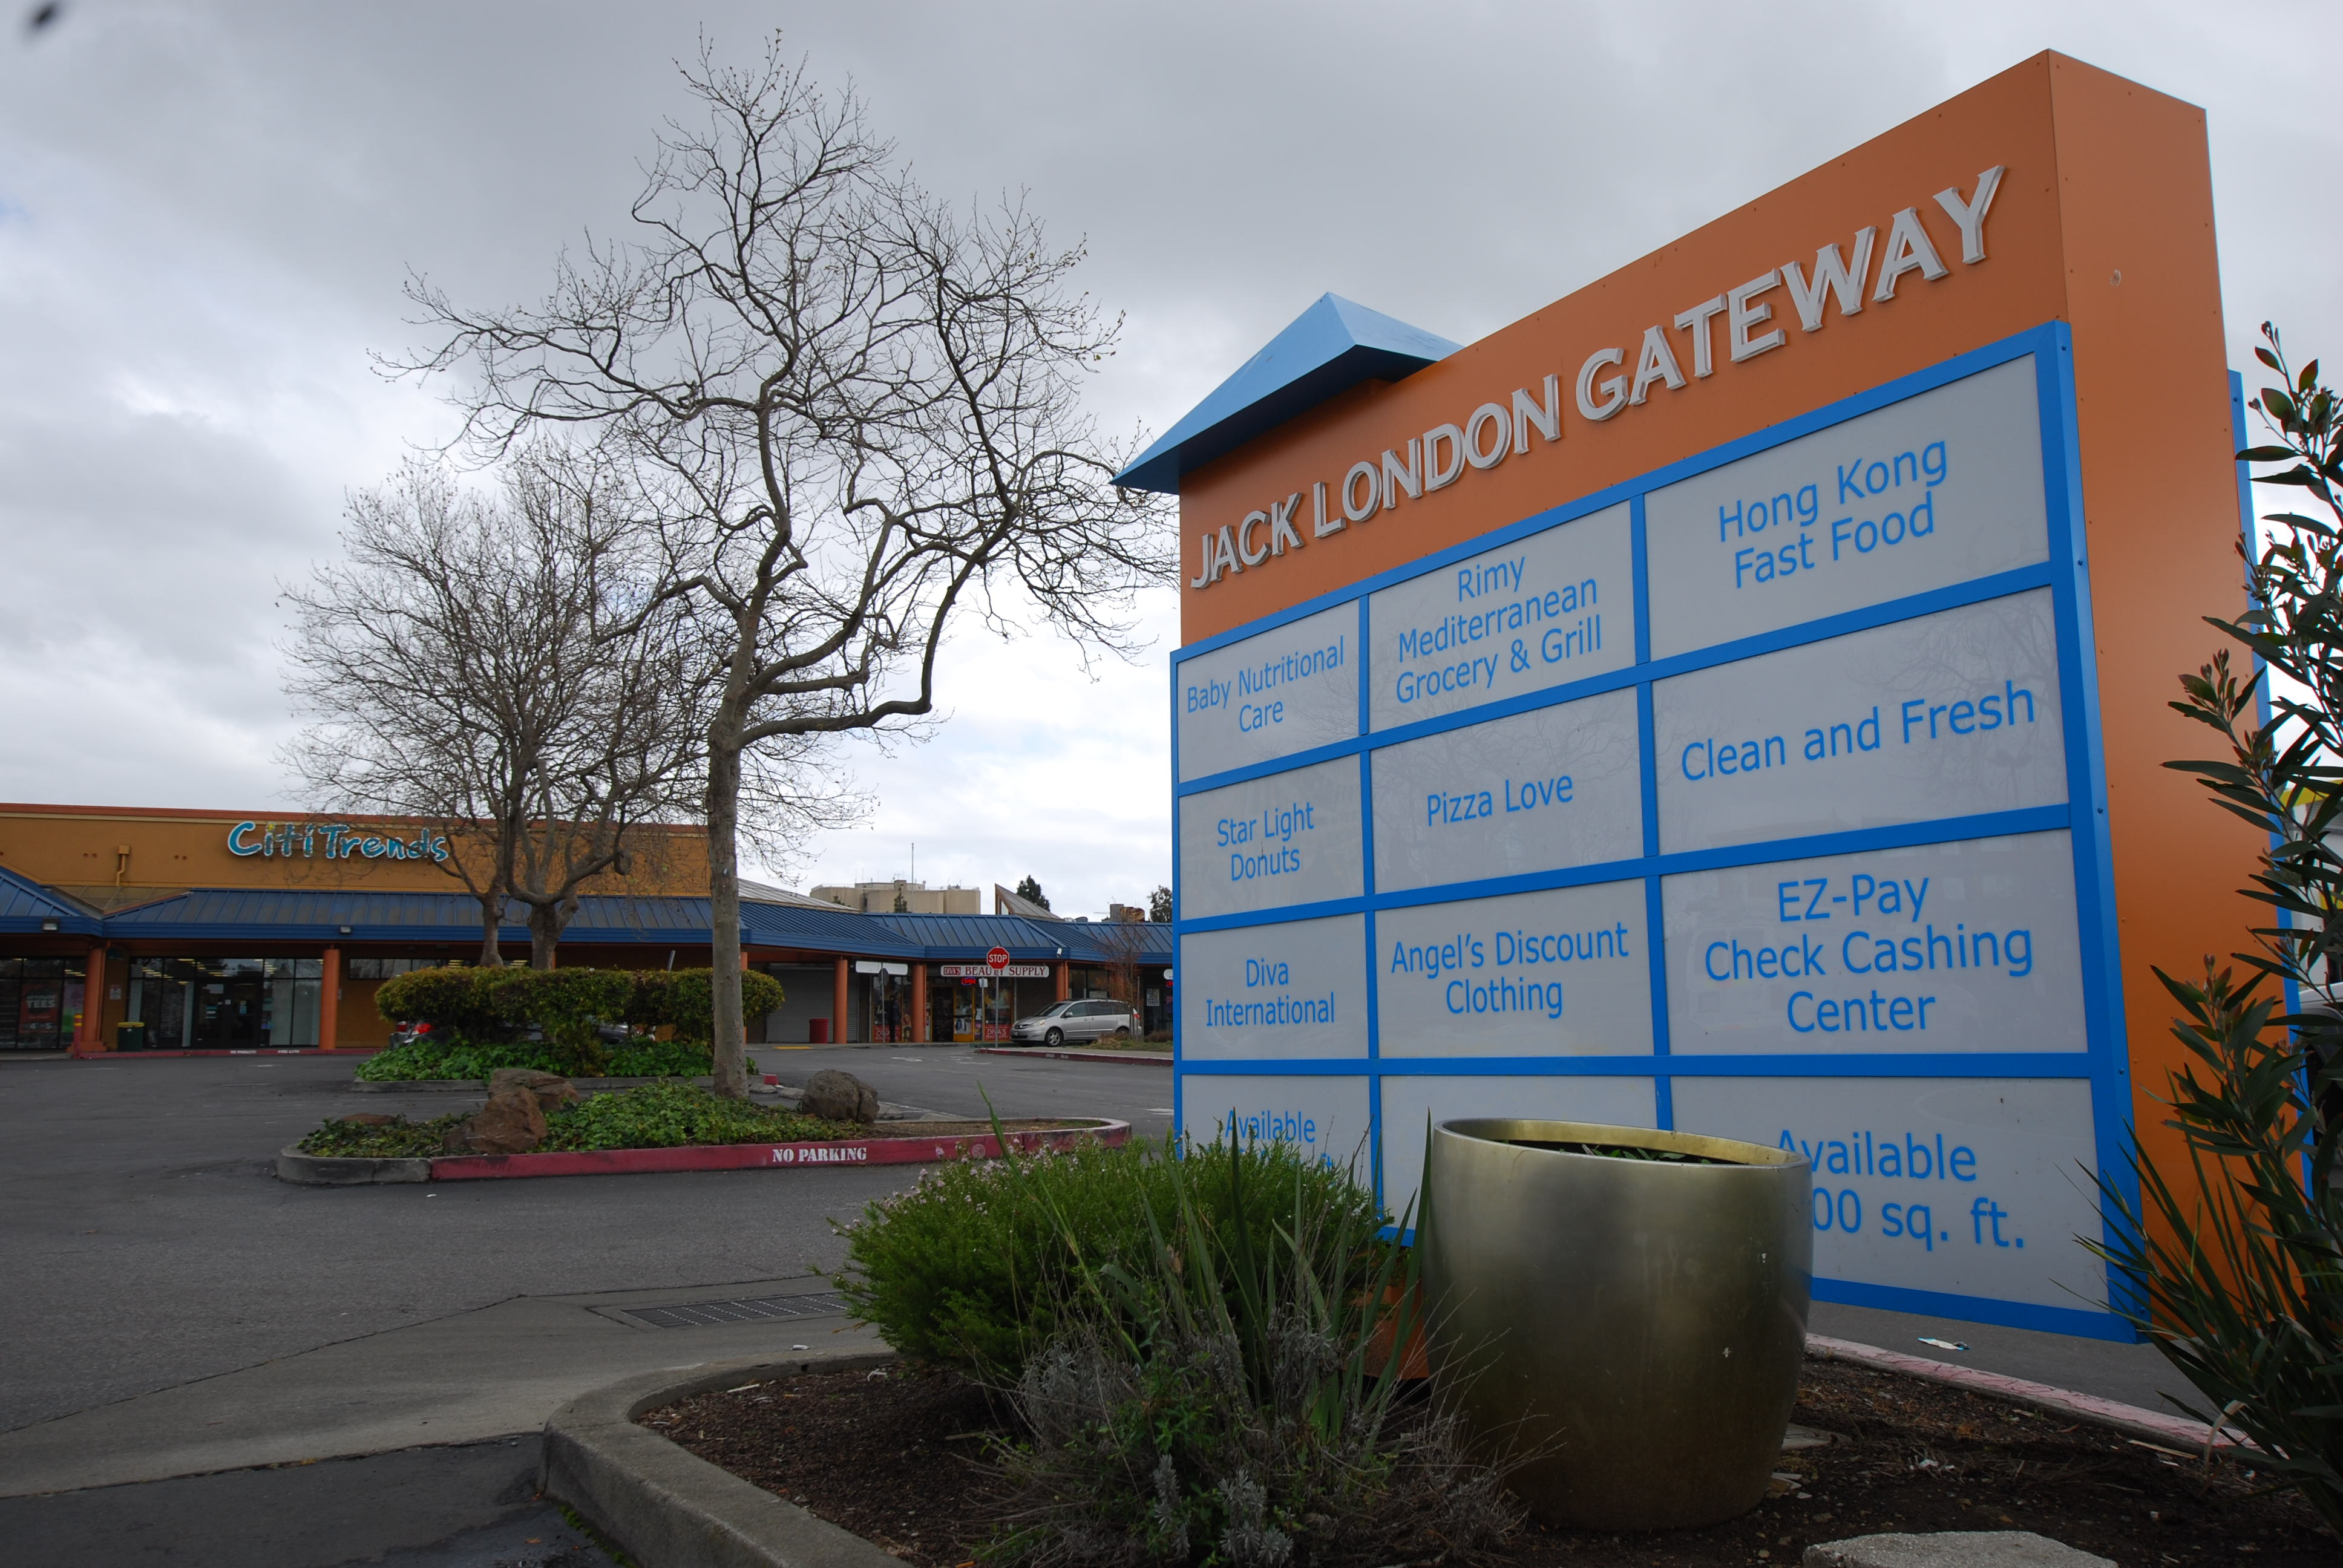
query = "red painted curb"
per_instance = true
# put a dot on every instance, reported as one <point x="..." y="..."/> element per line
<point x="1127" y="1058"/>
<point x="136" y="1055"/>
<point x="750" y="1156"/>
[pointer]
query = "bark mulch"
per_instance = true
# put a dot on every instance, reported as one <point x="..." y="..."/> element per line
<point x="896" y="1458"/>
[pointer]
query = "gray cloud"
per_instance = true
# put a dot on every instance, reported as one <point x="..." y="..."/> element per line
<point x="206" y="212"/>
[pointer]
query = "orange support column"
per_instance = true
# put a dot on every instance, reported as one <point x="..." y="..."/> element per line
<point x="838" y="1015"/>
<point x="329" y="999"/>
<point x="93" y="1001"/>
<point x="919" y="1003"/>
<point x="1065" y="980"/>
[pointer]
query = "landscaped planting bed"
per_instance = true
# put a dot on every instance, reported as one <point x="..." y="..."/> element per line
<point x="654" y="1116"/>
<point x="906" y="1461"/>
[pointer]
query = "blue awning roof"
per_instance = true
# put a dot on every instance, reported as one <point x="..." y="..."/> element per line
<point x="1330" y="347"/>
<point x="213" y="915"/>
<point x="27" y="906"/>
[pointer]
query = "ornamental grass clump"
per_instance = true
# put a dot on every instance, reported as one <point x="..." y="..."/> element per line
<point x="1231" y="1397"/>
<point x="968" y="1268"/>
<point x="1196" y="1340"/>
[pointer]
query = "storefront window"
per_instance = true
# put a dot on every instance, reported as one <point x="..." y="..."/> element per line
<point x="198" y="1004"/>
<point x="982" y="1009"/>
<point x="887" y="1004"/>
<point x="40" y="1003"/>
<point x="382" y="969"/>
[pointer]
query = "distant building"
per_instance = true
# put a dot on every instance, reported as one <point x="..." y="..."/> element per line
<point x="1125" y="912"/>
<point x="899" y="897"/>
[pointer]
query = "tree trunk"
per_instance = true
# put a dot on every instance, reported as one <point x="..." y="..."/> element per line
<point x="545" y="923"/>
<point x="724" y="901"/>
<point x="492" y="910"/>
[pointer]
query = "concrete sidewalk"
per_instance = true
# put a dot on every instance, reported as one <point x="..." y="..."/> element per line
<point x="2136" y="1374"/>
<point x="493" y="1374"/>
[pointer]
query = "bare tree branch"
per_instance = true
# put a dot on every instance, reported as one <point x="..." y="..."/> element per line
<point x="851" y="414"/>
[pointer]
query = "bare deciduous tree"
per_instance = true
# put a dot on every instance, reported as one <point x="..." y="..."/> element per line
<point x="855" y="410"/>
<point x="486" y="663"/>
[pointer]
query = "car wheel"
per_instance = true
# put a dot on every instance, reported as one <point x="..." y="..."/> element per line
<point x="1123" y="1033"/>
<point x="1054" y="1037"/>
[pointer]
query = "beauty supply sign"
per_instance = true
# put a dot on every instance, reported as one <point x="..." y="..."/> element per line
<point x="1753" y="796"/>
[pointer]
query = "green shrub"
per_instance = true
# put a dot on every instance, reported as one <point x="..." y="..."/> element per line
<point x="674" y="1115"/>
<point x="684" y="1000"/>
<point x="2232" y="1264"/>
<point x="643" y="1056"/>
<point x="450" y="998"/>
<point x="398" y="1139"/>
<point x="492" y="1008"/>
<point x="966" y="1268"/>
<point x="438" y="1056"/>
<point x="452" y="1056"/>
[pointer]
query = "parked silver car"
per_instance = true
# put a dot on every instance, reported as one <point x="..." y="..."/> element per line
<point x="1074" y="1020"/>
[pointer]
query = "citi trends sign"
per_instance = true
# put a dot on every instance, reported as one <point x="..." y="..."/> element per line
<point x="332" y="841"/>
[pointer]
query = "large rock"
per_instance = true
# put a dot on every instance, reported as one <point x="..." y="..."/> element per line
<point x="1952" y="1549"/>
<point x="836" y="1096"/>
<point x="551" y="1090"/>
<point x="511" y="1123"/>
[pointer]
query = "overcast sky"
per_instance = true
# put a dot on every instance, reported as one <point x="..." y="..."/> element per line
<point x="206" y="213"/>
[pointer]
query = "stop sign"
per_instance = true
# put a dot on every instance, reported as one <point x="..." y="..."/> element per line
<point x="998" y="959"/>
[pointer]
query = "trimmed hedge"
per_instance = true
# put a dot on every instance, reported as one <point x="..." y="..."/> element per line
<point x="684" y="1000"/>
<point x="482" y="1019"/>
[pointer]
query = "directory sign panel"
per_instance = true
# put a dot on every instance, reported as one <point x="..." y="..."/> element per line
<point x="1789" y="850"/>
<point x="1525" y="616"/>
<point x="1289" y="689"/>
<point x="1941" y="489"/>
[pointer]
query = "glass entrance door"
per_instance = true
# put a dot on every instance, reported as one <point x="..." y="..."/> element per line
<point x="224" y="1004"/>
<point x="981" y="1009"/>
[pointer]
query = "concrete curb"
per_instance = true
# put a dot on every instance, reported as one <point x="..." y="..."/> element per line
<point x="2147" y="1425"/>
<point x="1128" y="1058"/>
<point x="909" y="1148"/>
<point x="668" y="1507"/>
<point x="346" y="1170"/>
<point x="142" y="1054"/>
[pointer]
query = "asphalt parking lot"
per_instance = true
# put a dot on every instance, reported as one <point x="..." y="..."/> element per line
<point x="209" y="1365"/>
<point x="155" y="1263"/>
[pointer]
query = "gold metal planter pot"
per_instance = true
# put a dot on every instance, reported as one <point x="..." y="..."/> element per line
<point x="1635" y="1326"/>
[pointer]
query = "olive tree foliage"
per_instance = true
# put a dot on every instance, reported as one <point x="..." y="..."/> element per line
<point x="851" y="410"/>
<point x="484" y="662"/>
<point x="2237" y="1260"/>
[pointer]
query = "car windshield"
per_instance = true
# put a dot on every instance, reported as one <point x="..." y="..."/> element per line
<point x="1058" y="1011"/>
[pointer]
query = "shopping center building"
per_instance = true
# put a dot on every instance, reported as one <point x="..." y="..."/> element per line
<point x="138" y="930"/>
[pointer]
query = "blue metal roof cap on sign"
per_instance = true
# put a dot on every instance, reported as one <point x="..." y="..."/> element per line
<point x="1330" y="347"/>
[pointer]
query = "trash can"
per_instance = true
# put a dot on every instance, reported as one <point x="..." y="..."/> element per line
<point x="818" y="1031"/>
<point x="1628" y="1325"/>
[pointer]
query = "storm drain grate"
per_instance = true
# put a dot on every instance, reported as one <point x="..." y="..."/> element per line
<point x="762" y="1309"/>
